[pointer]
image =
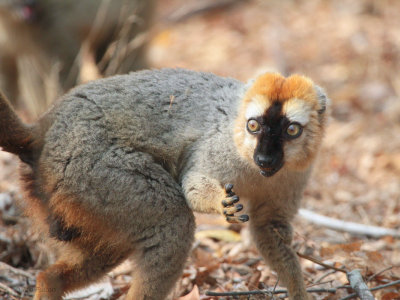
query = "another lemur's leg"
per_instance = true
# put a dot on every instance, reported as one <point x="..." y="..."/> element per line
<point x="273" y="240"/>
<point x="207" y="195"/>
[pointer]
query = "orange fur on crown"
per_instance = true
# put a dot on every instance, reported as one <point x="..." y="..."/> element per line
<point x="275" y="87"/>
<point x="267" y="88"/>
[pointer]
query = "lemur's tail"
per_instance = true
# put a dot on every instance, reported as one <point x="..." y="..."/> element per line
<point x="15" y="136"/>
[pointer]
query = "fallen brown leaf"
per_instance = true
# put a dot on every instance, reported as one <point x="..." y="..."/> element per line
<point x="193" y="295"/>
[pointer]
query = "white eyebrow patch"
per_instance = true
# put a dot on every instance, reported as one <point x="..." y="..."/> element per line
<point x="297" y="110"/>
<point x="256" y="108"/>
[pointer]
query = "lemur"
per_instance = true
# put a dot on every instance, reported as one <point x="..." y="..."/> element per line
<point x="117" y="166"/>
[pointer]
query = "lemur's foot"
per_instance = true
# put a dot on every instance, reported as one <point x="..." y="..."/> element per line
<point x="230" y="206"/>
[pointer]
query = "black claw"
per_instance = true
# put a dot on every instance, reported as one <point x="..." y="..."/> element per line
<point x="228" y="187"/>
<point x="233" y="200"/>
<point x="244" y="218"/>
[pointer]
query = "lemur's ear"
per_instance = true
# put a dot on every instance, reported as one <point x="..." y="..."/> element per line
<point x="323" y="100"/>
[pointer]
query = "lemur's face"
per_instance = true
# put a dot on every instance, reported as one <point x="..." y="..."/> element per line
<point x="280" y="123"/>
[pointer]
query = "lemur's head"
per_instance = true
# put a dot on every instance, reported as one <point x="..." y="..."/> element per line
<point x="281" y="122"/>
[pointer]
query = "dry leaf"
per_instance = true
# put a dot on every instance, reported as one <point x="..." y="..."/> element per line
<point x="334" y="249"/>
<point x="219" y="234"/>
<point x="391" y="296"/>
<point x="204" y="258"/>
<point x="193" y="295"/>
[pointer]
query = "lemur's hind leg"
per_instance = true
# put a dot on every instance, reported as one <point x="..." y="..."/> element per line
<point x="88" y="248"/>
<point x="152" y="208"/>
<point x="74" y="272"/>
<point x="161" y="259"/>
<point x="136" y="208"/>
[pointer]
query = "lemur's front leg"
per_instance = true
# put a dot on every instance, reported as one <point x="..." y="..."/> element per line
<point x="273" y="235"/>
<point x="207" y="195"/>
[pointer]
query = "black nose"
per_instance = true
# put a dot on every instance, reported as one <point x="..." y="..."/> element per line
<point x="265" y="161"/>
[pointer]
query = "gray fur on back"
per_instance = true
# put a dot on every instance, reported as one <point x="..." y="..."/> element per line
<point x="160" y="112"/>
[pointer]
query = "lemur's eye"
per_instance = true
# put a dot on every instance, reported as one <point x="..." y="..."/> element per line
<point x="253" y="126"/>
<point x="294" y="130"/>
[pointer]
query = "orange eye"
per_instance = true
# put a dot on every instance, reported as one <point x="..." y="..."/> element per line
<point x="294" y="130"/>
<point x="253" y="126"/>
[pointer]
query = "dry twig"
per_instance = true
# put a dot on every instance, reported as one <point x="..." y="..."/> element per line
<point x="379" y="273"/>
<point x="319" y="280"/>
<point x="188" y="11"/>
<point x="318" y="262"/>
<point x="359" y="286"/>
<point x="355" y="279"/>
<point x="350" y="227"/>
<point x="268" y="292"/>
<point x="8" y="290"/>
<point x="4" y="266"/>
<point x="379" y="287"/>
<point x="310" y="290"/>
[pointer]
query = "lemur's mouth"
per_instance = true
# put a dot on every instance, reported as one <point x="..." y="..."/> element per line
<point x="268" y="172"/>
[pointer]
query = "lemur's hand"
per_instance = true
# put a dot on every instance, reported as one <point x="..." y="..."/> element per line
<point x="230" y="206"/>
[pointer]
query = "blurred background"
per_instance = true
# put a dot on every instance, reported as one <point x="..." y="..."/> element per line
<point x="349" y="47"/>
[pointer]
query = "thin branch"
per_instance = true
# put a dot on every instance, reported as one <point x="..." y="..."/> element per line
<point x="275" y="286"/>
<point x="379" y="287"/>
<point x="8" y="290"/>
<point x="397" y="282"/>
<point x="359" y="286"/>
<point x="379" y="273"/>
<point x="268" y="292"/>
<point x="318" y="262"/>
<point x="350" y="227"/>
<point x="4" y="266"/>
<point x="310" y="290"/>
<point x="322" y="282"/>
<point x="187" y="11"/>
<point x="330" y="272"/>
